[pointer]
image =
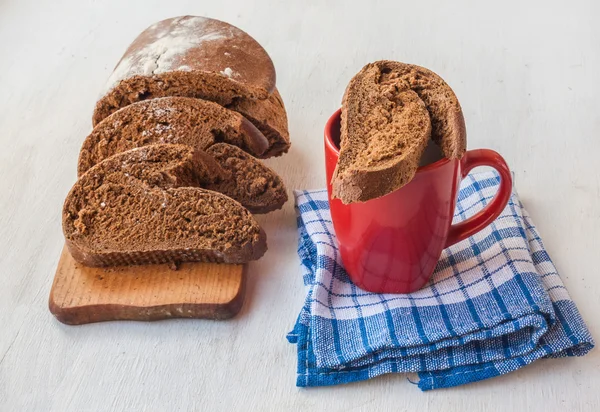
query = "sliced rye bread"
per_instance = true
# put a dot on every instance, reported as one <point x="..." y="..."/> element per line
<point x="270" y="118"/>
<point x="197" y="123"/>
<point x="130" y="210"/>
<point x="390" y="110"/>
<point x="189" y="56"/>
<point x="247" y="180"/>
<point x="384" y="138"/>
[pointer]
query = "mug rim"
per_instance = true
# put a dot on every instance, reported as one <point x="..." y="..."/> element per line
<point x="332" y="147"/>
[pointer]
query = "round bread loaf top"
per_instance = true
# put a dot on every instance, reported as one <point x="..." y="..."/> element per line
<point x="189" y="56"/>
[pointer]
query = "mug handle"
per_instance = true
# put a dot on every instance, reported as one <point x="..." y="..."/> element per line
<point x="471" y="160"/>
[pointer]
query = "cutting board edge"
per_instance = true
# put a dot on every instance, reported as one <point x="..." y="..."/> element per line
<point x="109" y="312"/>
<point x="83" y="314"/>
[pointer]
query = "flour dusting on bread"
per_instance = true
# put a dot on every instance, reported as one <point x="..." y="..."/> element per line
<point x="164" y="47"/>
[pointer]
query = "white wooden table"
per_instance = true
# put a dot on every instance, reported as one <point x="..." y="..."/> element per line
<point x="526" y="73"/>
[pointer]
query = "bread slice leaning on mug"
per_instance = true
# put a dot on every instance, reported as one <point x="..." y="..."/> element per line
<point x="390" y="111"/>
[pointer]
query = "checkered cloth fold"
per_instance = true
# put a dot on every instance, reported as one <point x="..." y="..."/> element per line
<point x="494" y="304"/>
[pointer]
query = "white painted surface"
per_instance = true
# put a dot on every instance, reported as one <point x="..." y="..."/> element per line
<point x="526" y="73"/>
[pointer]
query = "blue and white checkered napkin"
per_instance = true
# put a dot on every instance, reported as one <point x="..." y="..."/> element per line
<point x="495" y="304"/>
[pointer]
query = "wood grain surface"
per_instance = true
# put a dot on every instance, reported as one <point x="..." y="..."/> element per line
<point x="83" y="294"/>
<point x="526" y="74"/>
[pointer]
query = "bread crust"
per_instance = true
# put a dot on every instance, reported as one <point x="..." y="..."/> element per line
<point x="245" y="254"/>
<point x="270" y="117"/>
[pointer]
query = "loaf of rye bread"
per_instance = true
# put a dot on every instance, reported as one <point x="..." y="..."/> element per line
<point x="390" y="110"/>
<point x="202" y="58"/>
<point x="189" y="56"/>
<point x="137" y="208"/>
<point x="197" y="123"/>
<point x="270" y="118"/>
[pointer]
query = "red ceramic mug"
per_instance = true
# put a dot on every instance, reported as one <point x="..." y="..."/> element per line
<point x="392" y="244"/>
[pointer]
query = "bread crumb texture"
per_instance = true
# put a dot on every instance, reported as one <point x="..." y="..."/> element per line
<point x="136" y="208"/>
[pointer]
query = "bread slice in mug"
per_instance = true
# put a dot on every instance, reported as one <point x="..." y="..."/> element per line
<point x="390" y="111"/>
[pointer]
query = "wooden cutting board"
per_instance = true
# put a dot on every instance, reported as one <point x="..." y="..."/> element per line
<point x="82" y="294"/>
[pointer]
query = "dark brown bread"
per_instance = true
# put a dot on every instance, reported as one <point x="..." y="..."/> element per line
<point x="189" y="56"/>
<point x="130" y="209"/>
<point x="389" y="112"/>
<point x="270" y="118"/>
<point x="197" y="124"/>
<point x="247" y="180"/>
<point x="384" y="140"/>
<point x="194" y="122"/>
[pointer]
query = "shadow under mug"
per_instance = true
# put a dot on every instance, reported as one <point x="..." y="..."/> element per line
<point x="392" y="244"/>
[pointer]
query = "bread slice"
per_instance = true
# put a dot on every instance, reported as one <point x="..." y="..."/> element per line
<point x="188" y="56"/>
<point x="130" y="210"/>
<point x="194" y="122"/>
<point x="270" y="118"/>
<point x="389" y="112"/>
<point x="247" y="180"/>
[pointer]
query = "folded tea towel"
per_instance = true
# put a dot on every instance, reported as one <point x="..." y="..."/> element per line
<point x="495" y="304"/>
